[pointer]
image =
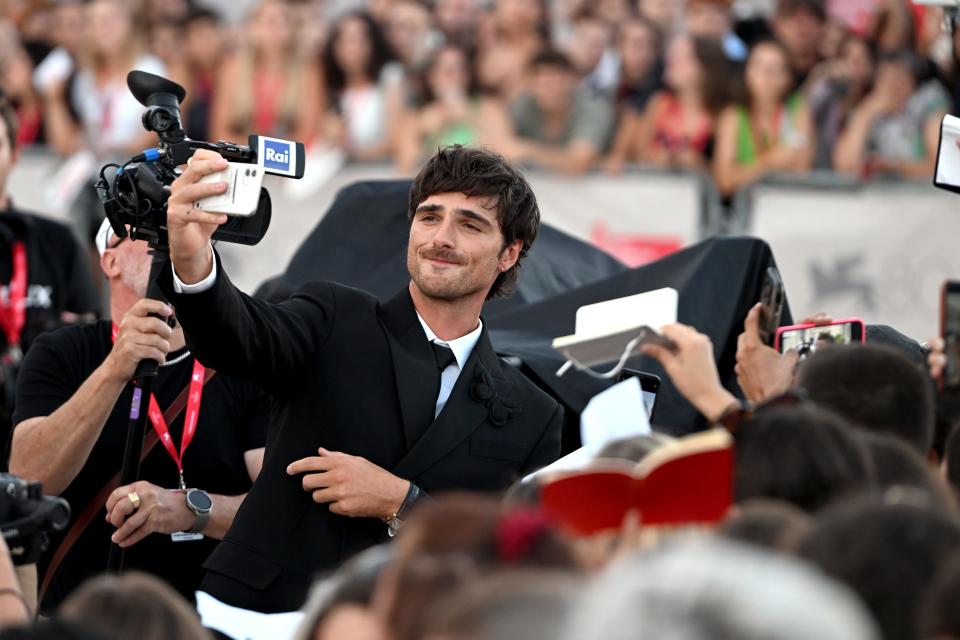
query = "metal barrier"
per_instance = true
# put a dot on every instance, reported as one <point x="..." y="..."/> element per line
<point x="878" y="251"/>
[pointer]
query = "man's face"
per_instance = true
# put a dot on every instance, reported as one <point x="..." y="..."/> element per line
<point x="133" y="261"/>
<point x="705" y="18"/>
<point x="456" y="246"/>
<point x="8" y="156"/>
<point x="553" y="88"/>
<point x="800" y="31"/>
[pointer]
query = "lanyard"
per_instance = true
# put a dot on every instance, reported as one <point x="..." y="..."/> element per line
<point x="189" y="420"/>
<point x="13" y="313"/>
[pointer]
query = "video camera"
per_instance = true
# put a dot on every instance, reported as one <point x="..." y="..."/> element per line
<point x="135" y="195"/>
<point x="27" y="518"/>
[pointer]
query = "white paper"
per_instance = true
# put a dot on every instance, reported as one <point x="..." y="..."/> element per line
<point x="618" y="412"/>
<point x="948" y="163"/>
<point x="243" y="624"/>
<point x="573" y="461"/>
<point x="653" y="309"/>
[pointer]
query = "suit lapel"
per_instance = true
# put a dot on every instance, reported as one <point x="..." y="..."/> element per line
<point x="415" y="370"/>
<point x="464" y="411"/>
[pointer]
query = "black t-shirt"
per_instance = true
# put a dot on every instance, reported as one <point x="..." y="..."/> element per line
<point x="234" y="416"/>
<point x="58" y="275"/>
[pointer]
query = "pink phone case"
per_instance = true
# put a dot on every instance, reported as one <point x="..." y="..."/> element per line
<point x="795" y="327"/>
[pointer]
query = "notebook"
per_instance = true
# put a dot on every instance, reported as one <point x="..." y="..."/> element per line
<point x="689" y="481"/>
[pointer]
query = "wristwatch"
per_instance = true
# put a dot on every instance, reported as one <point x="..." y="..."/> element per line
<point x="199" y="502"/>
<point x="395" y="521"/>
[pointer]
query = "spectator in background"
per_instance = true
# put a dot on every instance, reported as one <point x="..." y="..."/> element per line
<point x="663" y="13"/>
<point x="677" y="128"/>
<point x="888" y="552"/>
<point x="109" y="115"/>
<point x="364" y="88"/>
<point x="875" y="387"/>
<point x="782" y="453"/>
<point x="716" y="589"/>
<point x="267" y="87"/>
<point x="639" y="45"/>
<point x="203" y="53"/>
<point x="555" y="125"/>
<point x="520" y="30"/>
<point x="409" y="30"/>
<point x="839" y="88"/>
<point x="713" y="19"/>
<point x="771" y="130"/>
<point x="133" y="605"/>
<point x="66" y="37"/>
<point x="93" y="117"/>
<point x="590" y="52"/>
<point x="166" y="43"/>
<point x="16" y="81"/>
<point x="457" y="20"/>
<point x="799" y="25"/>
<point x="894" y="28"/>
<point x="454" y="111"/>
<point x="896" y="128"/>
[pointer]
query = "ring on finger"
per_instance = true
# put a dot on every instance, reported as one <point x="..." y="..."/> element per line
<point x="135" y="499"/>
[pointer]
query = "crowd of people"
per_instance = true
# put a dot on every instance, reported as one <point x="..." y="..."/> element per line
<point x="373" y="464"/>
<point x="739" y="88"/>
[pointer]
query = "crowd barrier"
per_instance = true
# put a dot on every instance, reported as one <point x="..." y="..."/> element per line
<point x="876" y="250"/>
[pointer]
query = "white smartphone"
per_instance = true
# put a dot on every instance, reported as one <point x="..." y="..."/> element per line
<point x="243" y="190"/>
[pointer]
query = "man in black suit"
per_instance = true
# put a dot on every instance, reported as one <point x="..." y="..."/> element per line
<point x="376" y="404"/>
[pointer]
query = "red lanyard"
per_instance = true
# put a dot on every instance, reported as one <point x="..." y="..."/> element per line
<point x="13" y="313"/>
<point x="189" y="421"/>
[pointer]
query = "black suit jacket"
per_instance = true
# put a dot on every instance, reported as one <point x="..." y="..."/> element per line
<point x="354" y="375"/>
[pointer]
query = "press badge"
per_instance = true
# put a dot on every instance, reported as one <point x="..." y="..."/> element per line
<point x="185" y="536"/>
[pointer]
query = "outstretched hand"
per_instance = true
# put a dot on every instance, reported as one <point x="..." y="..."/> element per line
<point x="693" y="369"/>
<point x="763" y="372"/>
<point x="190" y="229"/>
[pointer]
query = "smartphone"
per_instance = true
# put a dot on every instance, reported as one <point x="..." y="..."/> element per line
<point x="649" y="386"/>
<point x="950" y="331"/>
<point x="771" y="305"/>
<point x="808" y="338"/>
<point x="243" y="190"/>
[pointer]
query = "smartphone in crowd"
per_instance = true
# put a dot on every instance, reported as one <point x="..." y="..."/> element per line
<point x="808" y="338"/>
<point x="649" y="385"/>
<point x="771" y="305"/>
<point x="950" y="331"/>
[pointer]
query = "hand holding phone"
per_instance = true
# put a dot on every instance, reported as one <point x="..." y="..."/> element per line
<point x="771" y="305"/>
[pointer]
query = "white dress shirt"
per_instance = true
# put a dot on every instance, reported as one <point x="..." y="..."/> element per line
<point x="462" y="348"/>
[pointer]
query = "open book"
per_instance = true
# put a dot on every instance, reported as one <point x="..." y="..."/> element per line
<point x="604" y="330"/>
<point x="685" y="482"/>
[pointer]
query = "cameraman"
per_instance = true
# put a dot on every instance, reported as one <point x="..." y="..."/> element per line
<point x="73" y="404"/>
<point x="57" y="285"/>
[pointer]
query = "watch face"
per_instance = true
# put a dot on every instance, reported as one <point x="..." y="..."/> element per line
<point x="199" y="500"/>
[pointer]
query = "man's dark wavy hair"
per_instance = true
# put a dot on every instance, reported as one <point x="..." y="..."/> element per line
<point x="480" y="173"/>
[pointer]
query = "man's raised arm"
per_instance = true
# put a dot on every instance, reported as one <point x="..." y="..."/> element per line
<point x="227" y="329"/>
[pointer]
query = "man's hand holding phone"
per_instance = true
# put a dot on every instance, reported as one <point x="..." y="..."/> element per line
<point x="762" y="371"/>
<point x="190" y="229"/>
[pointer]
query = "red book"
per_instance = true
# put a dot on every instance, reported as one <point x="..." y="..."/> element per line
<point x="689" y="481"/>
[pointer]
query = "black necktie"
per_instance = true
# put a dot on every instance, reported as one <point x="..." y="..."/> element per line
<point x="443" y="355"/>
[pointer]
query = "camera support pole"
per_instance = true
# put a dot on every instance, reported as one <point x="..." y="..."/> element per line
<point x="142" y="388"/>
